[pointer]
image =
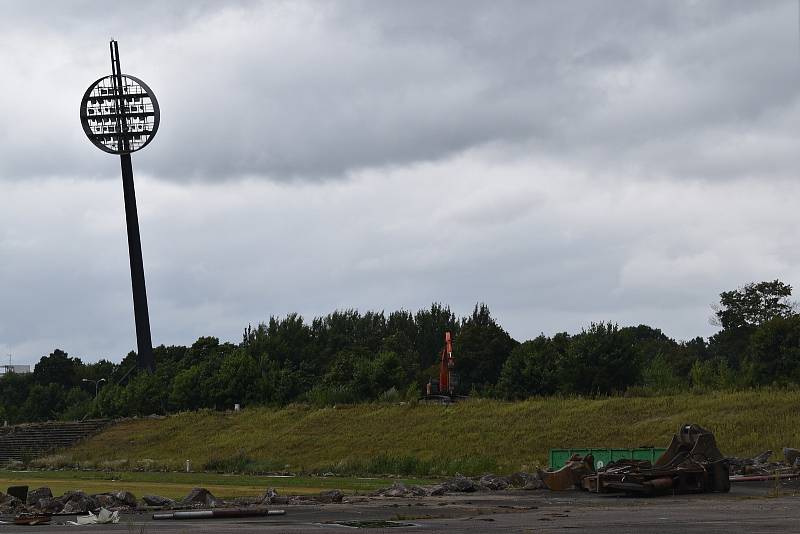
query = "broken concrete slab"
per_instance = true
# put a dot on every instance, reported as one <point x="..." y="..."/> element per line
<point x="19" y="492"/>
<point x="49" y="506"/>
<point x="330" y="496"/>
<point x="38" y="494"/>
<point x="460" y="484"/>
<point x="494" y="482"/>
<point x="125" y="498"/>
<point x="158" y="500"/>
<point x="439" y="489"/>
<point x="10" y="504"/>
<point x="118" y="500"/>
<point x="399" y="489"/>
<point x="201" y="497"/>
<point x="76" y="502"/>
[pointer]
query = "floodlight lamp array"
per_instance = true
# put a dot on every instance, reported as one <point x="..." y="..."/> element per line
<point x="119" y="118"/>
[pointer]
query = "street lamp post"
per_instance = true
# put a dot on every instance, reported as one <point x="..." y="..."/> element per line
<point x="120" y="115"/>
<point x="96" y="384"/>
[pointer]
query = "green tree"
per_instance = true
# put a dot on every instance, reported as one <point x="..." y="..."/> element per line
<point x="145" y="395"/>
<point x="110" y="402"/>
<point x="600" y="360"/>
<point x="659" y="376"/>
<point x="774" y="352"/>
<point x="187" y="391"/>
<point x="754" y="304"/>
<point x="239" y="380"/>
<point x="533" y="368"/>
<point x="58" y="368"/>
<point x="431" y="324"/>
<point x="44" y="402"/>
<point x="77" y="404"/>
<point x="740" y="312"/>
<point x="480" y="350"/>
<point x="715" y="375"/>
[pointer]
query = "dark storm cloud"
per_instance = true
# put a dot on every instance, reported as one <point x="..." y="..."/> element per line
<point x="305" y="90"/>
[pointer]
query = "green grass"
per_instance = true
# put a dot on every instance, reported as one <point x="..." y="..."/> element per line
<point x="177" y="485"/>
<point x="433" y="440"/>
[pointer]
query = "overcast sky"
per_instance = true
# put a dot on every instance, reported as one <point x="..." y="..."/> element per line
<point x="563" y="161"/>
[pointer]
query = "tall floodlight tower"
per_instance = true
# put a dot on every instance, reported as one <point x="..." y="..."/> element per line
<point x="120" y="115"/>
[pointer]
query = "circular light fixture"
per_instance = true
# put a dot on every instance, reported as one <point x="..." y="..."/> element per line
<point x="120" y="119"/>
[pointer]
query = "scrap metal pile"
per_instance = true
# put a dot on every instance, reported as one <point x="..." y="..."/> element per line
<point x="691" y="464"/>
<point x="759" y="468"/>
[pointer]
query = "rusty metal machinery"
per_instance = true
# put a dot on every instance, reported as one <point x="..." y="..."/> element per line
<point x="691" y="464"/>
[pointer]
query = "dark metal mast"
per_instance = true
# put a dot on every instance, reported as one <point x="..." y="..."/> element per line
<point x="144" y="342"/>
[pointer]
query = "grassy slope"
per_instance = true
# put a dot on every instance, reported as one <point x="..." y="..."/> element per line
<point x="514" y="435"/>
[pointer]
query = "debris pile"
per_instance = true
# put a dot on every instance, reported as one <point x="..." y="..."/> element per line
<point x="760" y="464"/>
<point x="526" y="481"/>
<point x="759" y="468"/>
<point x="462" y="484"/>
<point x="201" y="498"/>
<point x="40" y="501"/>
<point x="330" y="496"/>
<point x="10" y="504"/>
<point x="691" y="464"/>
<point x="494" y="482"/>
<point x="158" y="500"/>
<point x="398" y="489"/>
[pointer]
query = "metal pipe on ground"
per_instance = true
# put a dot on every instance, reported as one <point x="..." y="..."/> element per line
<point x="216" y="514"/>
<point x="763" y="478"/>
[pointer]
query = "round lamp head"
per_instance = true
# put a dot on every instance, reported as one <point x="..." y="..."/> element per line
<point x="120" y="120"/>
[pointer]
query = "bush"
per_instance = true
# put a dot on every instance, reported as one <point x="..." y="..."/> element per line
<point x="241" y="463"/>
<point x="409" y="465"/>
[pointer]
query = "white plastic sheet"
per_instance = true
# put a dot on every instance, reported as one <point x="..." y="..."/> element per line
<point x="103" y="517"/>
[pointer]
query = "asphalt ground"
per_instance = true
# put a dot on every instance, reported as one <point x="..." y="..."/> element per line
<point x="749" y="507"/>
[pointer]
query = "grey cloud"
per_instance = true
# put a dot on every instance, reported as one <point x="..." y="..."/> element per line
<point x="548" y="246"/>
<point x="565" y="162"/>
<point x="313" y="89"/>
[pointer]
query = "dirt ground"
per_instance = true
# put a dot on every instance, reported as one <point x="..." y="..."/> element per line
<point x="748" y="508"/>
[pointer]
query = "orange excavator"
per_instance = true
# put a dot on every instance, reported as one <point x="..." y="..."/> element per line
<point x="443" y="390"/>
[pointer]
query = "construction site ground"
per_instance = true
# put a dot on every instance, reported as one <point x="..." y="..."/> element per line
<point x="749" y="507"/>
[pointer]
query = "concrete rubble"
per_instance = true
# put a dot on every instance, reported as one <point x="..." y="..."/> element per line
<point x="158" y="500"/>
<point x="41" y="501"/>
<point x="201" y="497"/>
<point x="462" y="484"/>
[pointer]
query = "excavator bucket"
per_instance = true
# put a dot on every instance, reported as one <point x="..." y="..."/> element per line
<point x="691" y="442"/>
<point x="569" y="476"/>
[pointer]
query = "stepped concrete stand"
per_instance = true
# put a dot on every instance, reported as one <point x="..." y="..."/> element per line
<point x="120" y="115"/>
<point x="26" y="442"/>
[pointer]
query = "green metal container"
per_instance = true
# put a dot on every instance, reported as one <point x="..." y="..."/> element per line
<point x="602" y="456"/>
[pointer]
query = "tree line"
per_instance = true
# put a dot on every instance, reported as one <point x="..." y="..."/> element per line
<point x="350" y="357"/>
